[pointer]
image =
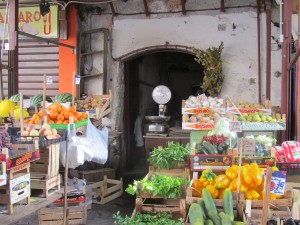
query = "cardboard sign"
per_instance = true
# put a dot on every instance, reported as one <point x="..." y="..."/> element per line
<point x="253" y="126"/>
<point x="19" y="188"/>
<point x="49" y="80"/>
<point x="247" y="145"/>
<point x="235" y="126"/>
<point x="21" y="159"/>
<point x="26" y="103"/>
<point x="200" y="162"/>
<point x="3" y="179"/>
<point x="197" y="126"/>
<point x="77" y="79"/>
<point x="278" y="182"/>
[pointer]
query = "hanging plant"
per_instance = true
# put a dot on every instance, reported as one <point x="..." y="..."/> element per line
<point x="212" y="63"/>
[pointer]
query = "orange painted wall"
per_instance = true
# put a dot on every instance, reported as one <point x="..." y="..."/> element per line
<point x="67" y="60"/>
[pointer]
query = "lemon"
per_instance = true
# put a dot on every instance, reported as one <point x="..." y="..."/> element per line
<point x="7" y="105"/>
<point x="17" y="113"/>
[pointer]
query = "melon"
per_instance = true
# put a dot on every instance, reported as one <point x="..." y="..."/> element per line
<point x="63" y="98"/>
<point x="37" y="99"/>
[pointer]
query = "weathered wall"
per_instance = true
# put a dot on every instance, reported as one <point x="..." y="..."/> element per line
<point x="199" y="28"/>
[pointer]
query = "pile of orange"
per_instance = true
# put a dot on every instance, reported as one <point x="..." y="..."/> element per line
<point x="58" y="115"/>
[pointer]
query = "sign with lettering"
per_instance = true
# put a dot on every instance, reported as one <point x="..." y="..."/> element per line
<point x="249" y="111"/>
<point x="26" y="103"/>
<point x="49" y="80"/>
<point x="3" y="179"/>
<point x="77" y="79"/>
<point x="235" y="126"/>
<point x="247" y="145"/>
<point x="263" y="126"/>
<point x="22" y="158"/>
<point x="198" y="126"/>
<point x="278" y="182"/>
<point x="32" y="22"/>
<point x="200" y="162"/>
<point x="262" y="162"/>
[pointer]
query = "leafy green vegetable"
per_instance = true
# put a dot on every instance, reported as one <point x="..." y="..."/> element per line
<point x="169" y="157"/>
<point x="165" y="186"/>
<point x="147" y="219"/>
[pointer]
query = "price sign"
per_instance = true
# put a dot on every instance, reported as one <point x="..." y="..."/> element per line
<point x="278" y="182"/>
<point x="77" y="79"/>
<point x="26" y="103"/>
<point x="235" y="126"/>
<point x="247" y="145"/>
<point x="49" y="80"/>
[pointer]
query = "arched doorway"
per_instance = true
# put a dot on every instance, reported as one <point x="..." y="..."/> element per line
<point x="177" y="70"/>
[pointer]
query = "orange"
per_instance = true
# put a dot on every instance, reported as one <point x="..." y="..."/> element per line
<point x="66" y="114"/>
<point x="42" y="112"/>
<point x="59" y="122"/>
<point x="35" y="116"/>
<point x="66" y="122"/>
<point x="60" y="117"/>
<point x="72" y="109"/>
<point x="26" y="121"/>
<point x="53" y="114"/>
<point x="50" y="121"/>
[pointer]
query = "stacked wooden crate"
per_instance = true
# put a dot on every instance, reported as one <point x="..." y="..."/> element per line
<point x="45" y="172"/>
<point x="147" y="202"/>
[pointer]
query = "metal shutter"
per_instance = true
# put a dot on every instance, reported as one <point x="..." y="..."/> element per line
<point x="36" y="58"/>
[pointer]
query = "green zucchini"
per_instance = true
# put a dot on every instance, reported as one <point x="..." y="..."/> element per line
<point x="195" y="214"/>
<point x="225" y="219"/>
<point x="211" y="207"/>
<point x="202" y="205"/>
<point x="210" y="148"/>
<point x="238" y="223"/>
<point x="228" y="204"/>
<point x="209" y="222"/>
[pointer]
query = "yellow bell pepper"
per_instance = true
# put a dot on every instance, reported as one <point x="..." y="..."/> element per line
<point x="197" y="188"/>
<point x="252" y="195"/>
<point x="222" y="181"/>
<point x="213" y="191"/>
<point x="221" y="193"/>
<point x="247" y="174"/>
<point x="233" y="185"/>
<point x="207" y="177"/>
<point x="232" y="172"/>
<point x="257" y="175"/>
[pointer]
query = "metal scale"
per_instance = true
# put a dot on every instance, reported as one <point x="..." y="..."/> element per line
<point x="158" y="124"/>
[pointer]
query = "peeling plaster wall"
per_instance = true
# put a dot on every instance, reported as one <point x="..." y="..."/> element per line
<point x="197" y="29"/>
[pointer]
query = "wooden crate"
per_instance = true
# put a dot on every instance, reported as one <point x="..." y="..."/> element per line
<point x="92" y="176"/>
<point x="55" y="215"/>
<point x="48" y="162"/>
<point x="106" y="190"/>
<point x="176" y="207"/>
<point x="47" y="185"/>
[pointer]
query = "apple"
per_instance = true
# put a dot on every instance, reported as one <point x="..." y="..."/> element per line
<point x="34" y="133"/>
<point x="48" y="132"/>
<point x="54" y="131"/>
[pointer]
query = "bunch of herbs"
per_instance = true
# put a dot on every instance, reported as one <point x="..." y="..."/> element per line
<point x="165" y="186"/>
<point x="169" y="157"/>
<point x="147" y="219"/>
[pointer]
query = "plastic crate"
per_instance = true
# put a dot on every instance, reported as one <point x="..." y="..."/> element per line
<point x="292" y="168"/>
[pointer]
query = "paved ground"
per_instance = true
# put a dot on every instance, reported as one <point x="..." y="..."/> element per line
<point x="103" y="214"/>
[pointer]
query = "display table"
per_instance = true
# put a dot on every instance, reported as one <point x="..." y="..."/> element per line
<point x="152" y="141"/>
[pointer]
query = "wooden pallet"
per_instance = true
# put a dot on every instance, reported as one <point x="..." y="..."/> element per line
<point x="54" y="216"/>
<point x="48" y="162"/>
<point x="97" y="175"/>
<point x="106" y="190"/>
<point x="47" y="185"/>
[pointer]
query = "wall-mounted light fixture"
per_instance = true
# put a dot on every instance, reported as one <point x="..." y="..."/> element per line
<point x="44" y="7"/>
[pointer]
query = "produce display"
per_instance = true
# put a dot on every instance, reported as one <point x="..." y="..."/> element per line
<point x="210" y="118"/>
<point x="163" y="218"/>
<point x="91" y="102"/>
<point x="214" y="144"/>
<point x="252" y="182"/>
<point x="16" y="98"/>
<point x="159" y="185"/>
<point x="246" y="105"/>
<point x="203" y="101"/>
<point x="63" y="98"/>
<point x="260" y="117"/>
<point x="169" y="157"/>
<point x="57" y="115"/>
<point x="38" y="99"/>
<point x="5" y="107"/>
<point x="263" y="144"/>
<point x="205" y="210"/>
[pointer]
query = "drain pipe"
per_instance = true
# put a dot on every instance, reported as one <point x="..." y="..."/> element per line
<point x="268" y="48"/>
<point x="258" y="51"/>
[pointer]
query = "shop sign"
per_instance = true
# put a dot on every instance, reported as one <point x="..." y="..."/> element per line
<point x="32" y="22"/>
<point x="201" y="162"/>
<point x="19" y="188"/>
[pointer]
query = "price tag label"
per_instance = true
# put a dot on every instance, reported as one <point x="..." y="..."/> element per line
<point x="26" y="103"/>
<point x="278" y="182"/>
<point x="248" y="146"/>
<point x="49" y="80"/>
<point x="235" y="126"/>
<point x="77" y="79"/>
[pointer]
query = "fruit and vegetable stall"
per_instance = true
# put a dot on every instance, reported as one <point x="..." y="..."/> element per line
<point x="233" y="171"/>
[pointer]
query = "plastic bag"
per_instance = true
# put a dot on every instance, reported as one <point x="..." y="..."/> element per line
<point x="222" y="127"/>
<point x="98" y="142"/>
